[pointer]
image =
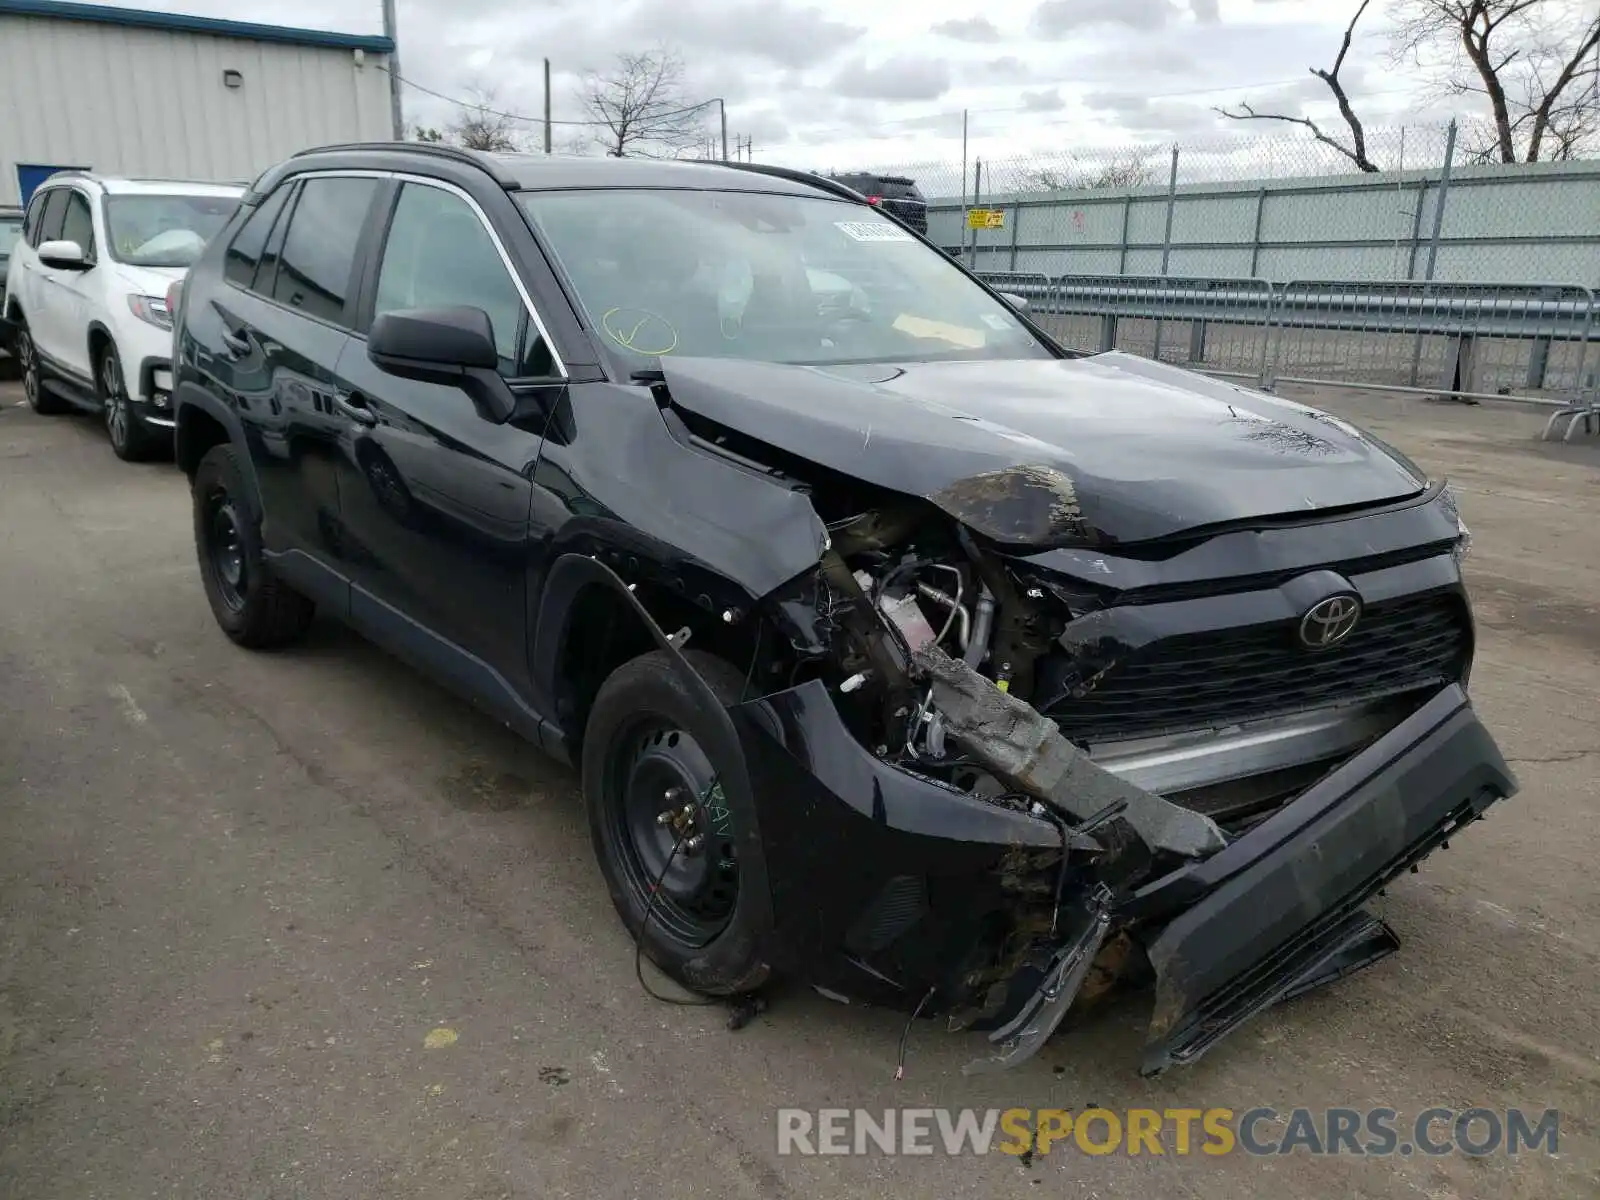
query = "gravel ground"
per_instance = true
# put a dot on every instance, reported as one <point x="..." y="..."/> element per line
<point x="240" y="894"/>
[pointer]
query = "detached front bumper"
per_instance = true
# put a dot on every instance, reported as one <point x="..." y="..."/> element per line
<point x="1279" y="910"/>
<point x="886" y="886"/>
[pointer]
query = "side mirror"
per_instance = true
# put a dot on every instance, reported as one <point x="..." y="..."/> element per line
<point x="64" y="256"/>
<point x="1020" y="303"/>
<point x="449" y="346"/>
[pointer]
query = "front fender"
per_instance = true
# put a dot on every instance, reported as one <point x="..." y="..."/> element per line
<point x="568" y="577"/>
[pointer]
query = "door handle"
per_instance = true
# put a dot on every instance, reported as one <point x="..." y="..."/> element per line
<point x="354" y="406"/>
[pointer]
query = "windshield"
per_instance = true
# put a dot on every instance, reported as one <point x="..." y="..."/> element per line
<point x="10" y="231"/>
<point x="164" y="231"/>
<point x="770" y="278"/>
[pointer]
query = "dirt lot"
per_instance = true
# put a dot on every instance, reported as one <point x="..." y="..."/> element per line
<point x="238" y="892"/>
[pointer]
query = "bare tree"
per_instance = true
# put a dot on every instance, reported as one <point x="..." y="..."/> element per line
<point x="1535" y="63"/>
<point x="1356" y="148"/>
<point x="479" y="126"/>
<point x="638" y="106"/>
<point x="1130" y="169"/>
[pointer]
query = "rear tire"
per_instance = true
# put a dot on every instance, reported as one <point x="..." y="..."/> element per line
<point x="46" y="404"/>
<point x="254" y="607"/>
<point x="642" y="757"/>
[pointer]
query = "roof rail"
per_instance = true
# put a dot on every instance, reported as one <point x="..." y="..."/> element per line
<point x="436" y="149"/>
<point x="811" y="178"/>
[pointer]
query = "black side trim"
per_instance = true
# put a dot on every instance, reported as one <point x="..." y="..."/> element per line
<point x="312" y="578"/>
<point x="450" y="665"/>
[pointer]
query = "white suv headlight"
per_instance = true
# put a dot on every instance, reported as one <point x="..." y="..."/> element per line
<point x="151" y="309"/>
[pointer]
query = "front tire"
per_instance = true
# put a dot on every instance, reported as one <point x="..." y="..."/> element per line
<point x="46" y="404"/>
<point x="650" y="786"/>
<point x="254" y="607"/>
<point x="131" y="440"/>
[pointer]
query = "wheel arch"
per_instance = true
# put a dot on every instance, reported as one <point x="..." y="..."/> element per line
<point x="203" y="421"/>
<point x="569" y="583"/>
<point x="588" y="622"/>
<point x="100" y="336"/>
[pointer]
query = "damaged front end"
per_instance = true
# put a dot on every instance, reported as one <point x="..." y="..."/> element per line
<point x="1003" y="761"/>
<point x="935" y="841"/>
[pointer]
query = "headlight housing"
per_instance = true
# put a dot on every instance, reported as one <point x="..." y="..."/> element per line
<point x="151" y="309"/>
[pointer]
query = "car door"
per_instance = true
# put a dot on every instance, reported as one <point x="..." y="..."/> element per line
<point x="282" y="320"/>
<point x="436" y="497"/>
<point x="72" y="302"/>
<point x="37" y="290"/>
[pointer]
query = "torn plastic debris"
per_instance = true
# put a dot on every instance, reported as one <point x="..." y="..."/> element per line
<point x="1026" y="749"/>
<point x="1021" y="1037"/>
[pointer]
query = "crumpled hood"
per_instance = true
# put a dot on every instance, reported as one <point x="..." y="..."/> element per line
<point x="1108" y="448"/>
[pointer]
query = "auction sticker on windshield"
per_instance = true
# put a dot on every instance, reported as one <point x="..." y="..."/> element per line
<point x="872" y="231"/>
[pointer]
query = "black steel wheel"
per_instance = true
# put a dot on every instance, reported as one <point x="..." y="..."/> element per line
<point x="659" y="814"/>
<point x="671" y="824"/>
<point x="224" y="547"/>
<point x="252" y="605"/>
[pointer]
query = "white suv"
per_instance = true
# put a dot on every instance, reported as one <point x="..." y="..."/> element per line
<point x="86" y="297"/>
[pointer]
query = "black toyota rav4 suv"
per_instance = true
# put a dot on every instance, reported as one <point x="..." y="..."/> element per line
<point x="903" y="652"/>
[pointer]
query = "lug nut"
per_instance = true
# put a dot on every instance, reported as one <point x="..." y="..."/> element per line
<point x="693" y="845"/>
<point x="664" y="818"/>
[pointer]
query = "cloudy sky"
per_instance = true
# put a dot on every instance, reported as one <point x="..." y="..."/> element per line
<point x="831" y="84"/>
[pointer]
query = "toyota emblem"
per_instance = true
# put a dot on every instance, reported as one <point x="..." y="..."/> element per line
<point x="1329" y="622"/>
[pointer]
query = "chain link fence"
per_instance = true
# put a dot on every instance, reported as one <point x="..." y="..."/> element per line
<point x="1533" y="344"/>
<point x="1278" y="206"/>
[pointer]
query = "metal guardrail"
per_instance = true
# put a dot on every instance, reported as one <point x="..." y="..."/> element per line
<point x="1526" y="343"/>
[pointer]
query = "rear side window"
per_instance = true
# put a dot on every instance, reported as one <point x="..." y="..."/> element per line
<point x="250" y="243"/>
<point x="77" y="224"/>
<point x="55" y="207"/>
<point x="320" y="247"/>
<point x="267" y="272"/>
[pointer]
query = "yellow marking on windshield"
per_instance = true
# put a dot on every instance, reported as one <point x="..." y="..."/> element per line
<point x="959" y="335"/>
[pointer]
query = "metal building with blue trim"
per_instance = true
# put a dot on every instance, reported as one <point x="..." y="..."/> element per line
<point x="165" y="95"/>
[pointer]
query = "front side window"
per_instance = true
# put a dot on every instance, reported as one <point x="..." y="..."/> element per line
<point x="766" y="277"/>
<point x="30" y="223"/>
<point x="77" y="224"/>
<point x="55" y="208"/>
<point x="164" y="231"/>
<point x="439" y="255"/>
<point x="320" y="247"/>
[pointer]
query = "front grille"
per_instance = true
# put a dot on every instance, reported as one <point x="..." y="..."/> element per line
<point x="1207" y="679"/>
